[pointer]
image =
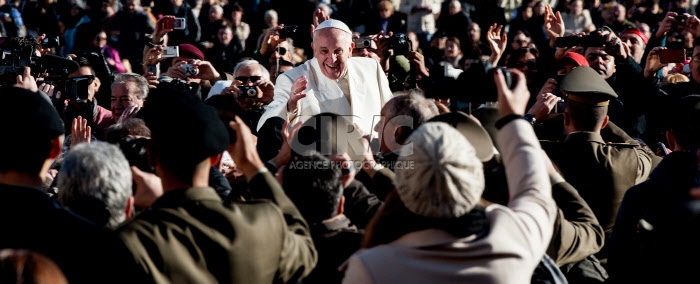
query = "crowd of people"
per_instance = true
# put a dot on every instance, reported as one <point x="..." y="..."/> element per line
<point x="378" y="141"/>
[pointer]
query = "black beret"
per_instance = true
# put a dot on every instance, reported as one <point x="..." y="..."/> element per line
<point x="29" y="115"/>
<point x="184" y="126"/>
<point x="585" y="85"/>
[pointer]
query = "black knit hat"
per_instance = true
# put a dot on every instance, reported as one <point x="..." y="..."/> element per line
<point x="184" y="127"/>
<point x="29" y="115"/>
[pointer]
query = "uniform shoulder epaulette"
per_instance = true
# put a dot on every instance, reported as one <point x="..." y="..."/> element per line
<point x="623" y="145"/>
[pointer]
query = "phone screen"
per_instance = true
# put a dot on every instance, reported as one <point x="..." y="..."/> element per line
<point x="168" y="23"/>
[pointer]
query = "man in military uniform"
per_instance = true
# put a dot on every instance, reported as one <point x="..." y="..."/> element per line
<point x="599" y="159"/>
<point x="189" y="235"/>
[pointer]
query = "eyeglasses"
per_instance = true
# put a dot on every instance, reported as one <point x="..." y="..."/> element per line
<point x="531" y="64"/>
<point x="244" y="79"/>
<point x="281" y="50"/>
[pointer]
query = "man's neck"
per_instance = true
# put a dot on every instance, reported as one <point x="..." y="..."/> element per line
<point x="21" y="179"/>
<point x="171" y="181"/>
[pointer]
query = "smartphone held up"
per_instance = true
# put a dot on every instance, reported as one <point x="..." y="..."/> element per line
<point x="174" y="23"/>
<point x="672" y="56"/>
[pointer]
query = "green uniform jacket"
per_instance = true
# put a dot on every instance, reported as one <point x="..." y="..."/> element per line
<point x="602" y="172"/>
<point x="191" y="236"/>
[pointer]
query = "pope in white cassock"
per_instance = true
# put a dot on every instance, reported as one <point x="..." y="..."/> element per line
<point x="332" y="81"/>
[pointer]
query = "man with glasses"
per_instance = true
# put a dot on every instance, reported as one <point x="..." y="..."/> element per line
<point x="252" y="90"/>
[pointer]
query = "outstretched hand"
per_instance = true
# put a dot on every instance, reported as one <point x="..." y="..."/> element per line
<point x="497" y="43"/>
<point x="553" y="23"/>
<point x="295" y="94"/>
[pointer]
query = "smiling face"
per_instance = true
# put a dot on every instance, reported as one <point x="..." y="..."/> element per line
<point x="332" y="48"/>
<point x="123" y="96"/>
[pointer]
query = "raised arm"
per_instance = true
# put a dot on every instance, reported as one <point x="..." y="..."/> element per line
<point x="528" y="182"/>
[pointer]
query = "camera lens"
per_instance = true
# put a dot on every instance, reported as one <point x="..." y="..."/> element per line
<point x="251" y="93"/>
<point x="366" y="43"/>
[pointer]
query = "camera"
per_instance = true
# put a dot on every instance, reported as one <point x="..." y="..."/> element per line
<point x="50" y="42"/>
<point x="481" y="73"/>
<point x="288" y="31"/>
<point x="19" y="52"/>
<point x="592" y="40"/>
<point x="400" y="43"/>
<point x="190" y="70"/>
<point x="680" y="21"/>
<point x="361" y="43"/>
<point x="248" y="91"/>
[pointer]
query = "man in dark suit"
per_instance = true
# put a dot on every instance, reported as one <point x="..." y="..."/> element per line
<point x="600" y="160"/>
<point x="656" y="227"/>
<point x="386" y="20"/>
<point x="318" y="192"/>
<point x="29" y="218"/>
<point x="189" y="235"/>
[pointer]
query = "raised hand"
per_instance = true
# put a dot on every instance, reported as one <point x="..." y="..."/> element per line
<point x="147" y="188"/>
<point x="497" y="43"/>
<point x="666" y="24"/>
<point x="511" y="101"/>
<point x="129" y="112"/>
<point x="546" y="100"/>
<point x="295" y="94"/>
<point x="243" y="149"/>
<point x="653" y="64"/>
<point x="160" y="30"/>
<point x="553" y="23"/>
<point x="80" y="131"/>
<point x="319" y="17"/>
<point x="26" y="80"/>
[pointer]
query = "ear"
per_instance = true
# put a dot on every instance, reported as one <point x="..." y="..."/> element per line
<point x="129" y="210"/>
<point x="605" y="122"/>
<point x="671" y="138"/>
<point x="216" y="160"/>
<point x="56" y="147"/>
<point x="341" y="205"/>
<point x="97" y="83"/>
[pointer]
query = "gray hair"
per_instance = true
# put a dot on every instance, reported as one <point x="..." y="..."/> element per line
<point x="251" y="62"/>
<point x="411" y="103"/>
<point x="141" y="83"/>
<point x="269" y="15"/>
<point x="95" y="182"/>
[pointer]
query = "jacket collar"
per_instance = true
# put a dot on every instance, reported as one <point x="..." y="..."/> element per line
<point x="584" y="136"/>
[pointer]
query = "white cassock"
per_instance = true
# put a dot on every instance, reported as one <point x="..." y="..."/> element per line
<point x="368" y="85"/>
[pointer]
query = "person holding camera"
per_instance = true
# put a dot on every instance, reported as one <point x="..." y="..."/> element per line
<point x="252" y="90"/>
<point x="332" y="81"/>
